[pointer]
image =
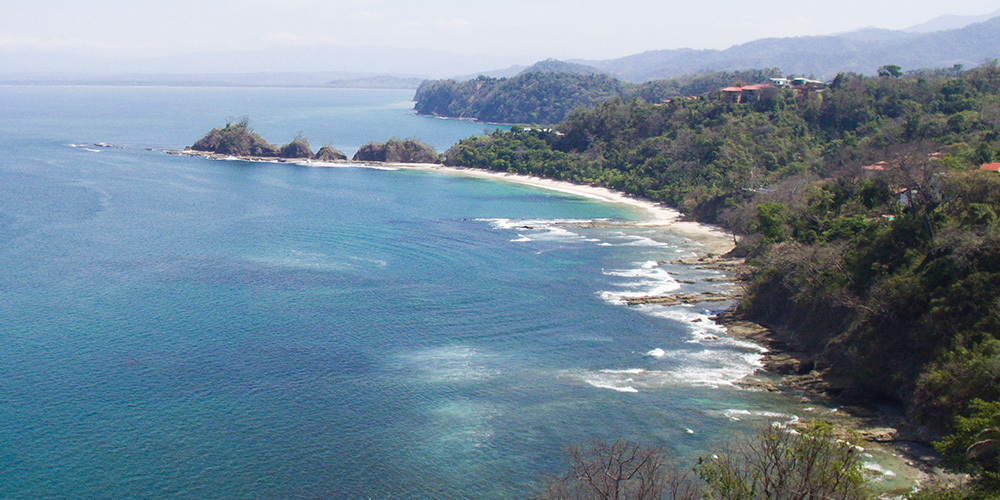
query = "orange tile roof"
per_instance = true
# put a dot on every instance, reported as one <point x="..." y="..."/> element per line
<point x="995" y="167"/>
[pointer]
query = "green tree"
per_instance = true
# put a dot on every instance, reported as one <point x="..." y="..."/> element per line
<point x="776" y="464"/>
<point x="771" y="221"/>
<point x="974" y="446"/>
<point x="890" y="70"/>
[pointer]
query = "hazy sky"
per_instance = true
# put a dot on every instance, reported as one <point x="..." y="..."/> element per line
<point x="532" y="29"/>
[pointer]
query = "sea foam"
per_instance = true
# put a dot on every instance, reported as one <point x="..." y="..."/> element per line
<point x="529" y="230"/>
<point x="649" y="279"/>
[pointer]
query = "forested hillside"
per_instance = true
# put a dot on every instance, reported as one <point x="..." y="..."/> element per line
<point x="543" y="95"/>
<point x="873" y="232"/>
<point x="526" y="98"/>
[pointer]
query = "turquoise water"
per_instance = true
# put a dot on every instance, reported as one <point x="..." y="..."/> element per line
<point x="178" y="327"/>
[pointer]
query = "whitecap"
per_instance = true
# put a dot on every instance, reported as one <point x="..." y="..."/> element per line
<point x="643" y="241"/>
<point x="875" y="472"/>
<point x="649" y="280"/>
<point x="719" y="367"/>
<point x="700" y="326"/>
<point x="715" y="368"/>
<point x="505" y="223"/>
<point x="632" y="371"/>
<point x="606" y="385"/>
<point x="780" y="419"/>
<point x="542" y="229"/>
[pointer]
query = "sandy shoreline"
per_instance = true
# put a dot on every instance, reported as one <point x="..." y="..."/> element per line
<point x="714" y="239"/>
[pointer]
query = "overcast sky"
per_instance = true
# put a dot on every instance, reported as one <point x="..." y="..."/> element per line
<point x="528" y="29"/>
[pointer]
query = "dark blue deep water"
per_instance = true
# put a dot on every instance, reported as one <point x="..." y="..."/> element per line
<point x="175" y="327"/>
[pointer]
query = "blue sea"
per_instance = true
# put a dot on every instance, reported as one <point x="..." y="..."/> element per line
<point x="176" y="327"/>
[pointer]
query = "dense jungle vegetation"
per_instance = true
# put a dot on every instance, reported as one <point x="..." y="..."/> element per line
<point x="397" y="150"/>
<point x="873" y="232"/>
<point x="549" y="97"/>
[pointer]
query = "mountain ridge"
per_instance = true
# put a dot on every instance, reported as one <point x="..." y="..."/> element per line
<point x="862" y="51"/>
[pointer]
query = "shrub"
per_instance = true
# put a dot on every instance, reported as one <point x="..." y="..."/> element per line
<point x="776" y="464"/>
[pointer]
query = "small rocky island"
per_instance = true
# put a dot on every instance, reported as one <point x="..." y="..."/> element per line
<point x="238" y="140"/>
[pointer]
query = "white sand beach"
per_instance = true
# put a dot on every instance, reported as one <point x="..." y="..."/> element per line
<point x="715" y="240"/>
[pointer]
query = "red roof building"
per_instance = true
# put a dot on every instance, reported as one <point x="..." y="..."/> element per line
<point x="746" y="93"/>
<point x="993" y="167"/>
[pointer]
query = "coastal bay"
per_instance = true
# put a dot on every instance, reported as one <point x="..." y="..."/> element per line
<point x="399" y="332"/>
<point x="715" y="239"/>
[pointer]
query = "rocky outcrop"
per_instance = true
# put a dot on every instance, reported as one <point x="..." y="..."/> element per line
<point x="298" y="148"/>
<point x="236" y="139"/>
<point x="670" y="300"/>
<point x="328" y="153"/>
<point x="240" y="141"/>
<point x="398" y="151"/>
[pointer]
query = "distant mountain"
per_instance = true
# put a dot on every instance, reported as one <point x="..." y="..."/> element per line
<point x="377" y="82"/>
<point x="546" y="66"/>
<point x="496" y="73"/>
<point x="950" y="22"/>
<point x="875" y="35"/>
<point x="557" y="66"/>
<point x="862" y="51"/>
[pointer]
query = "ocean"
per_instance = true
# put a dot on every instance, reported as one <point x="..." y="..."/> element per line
<point x="176" y="327"/>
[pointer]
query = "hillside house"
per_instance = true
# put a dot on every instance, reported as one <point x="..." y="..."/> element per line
<point x="781" y="83"/>
<point x="992" y="167"/>
<point x="746" y="93"/>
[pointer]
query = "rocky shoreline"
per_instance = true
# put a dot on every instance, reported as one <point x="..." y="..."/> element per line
<point x="877" y="424"/>
<point x="260" y="159"/>
<point x="787" y="369"/>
